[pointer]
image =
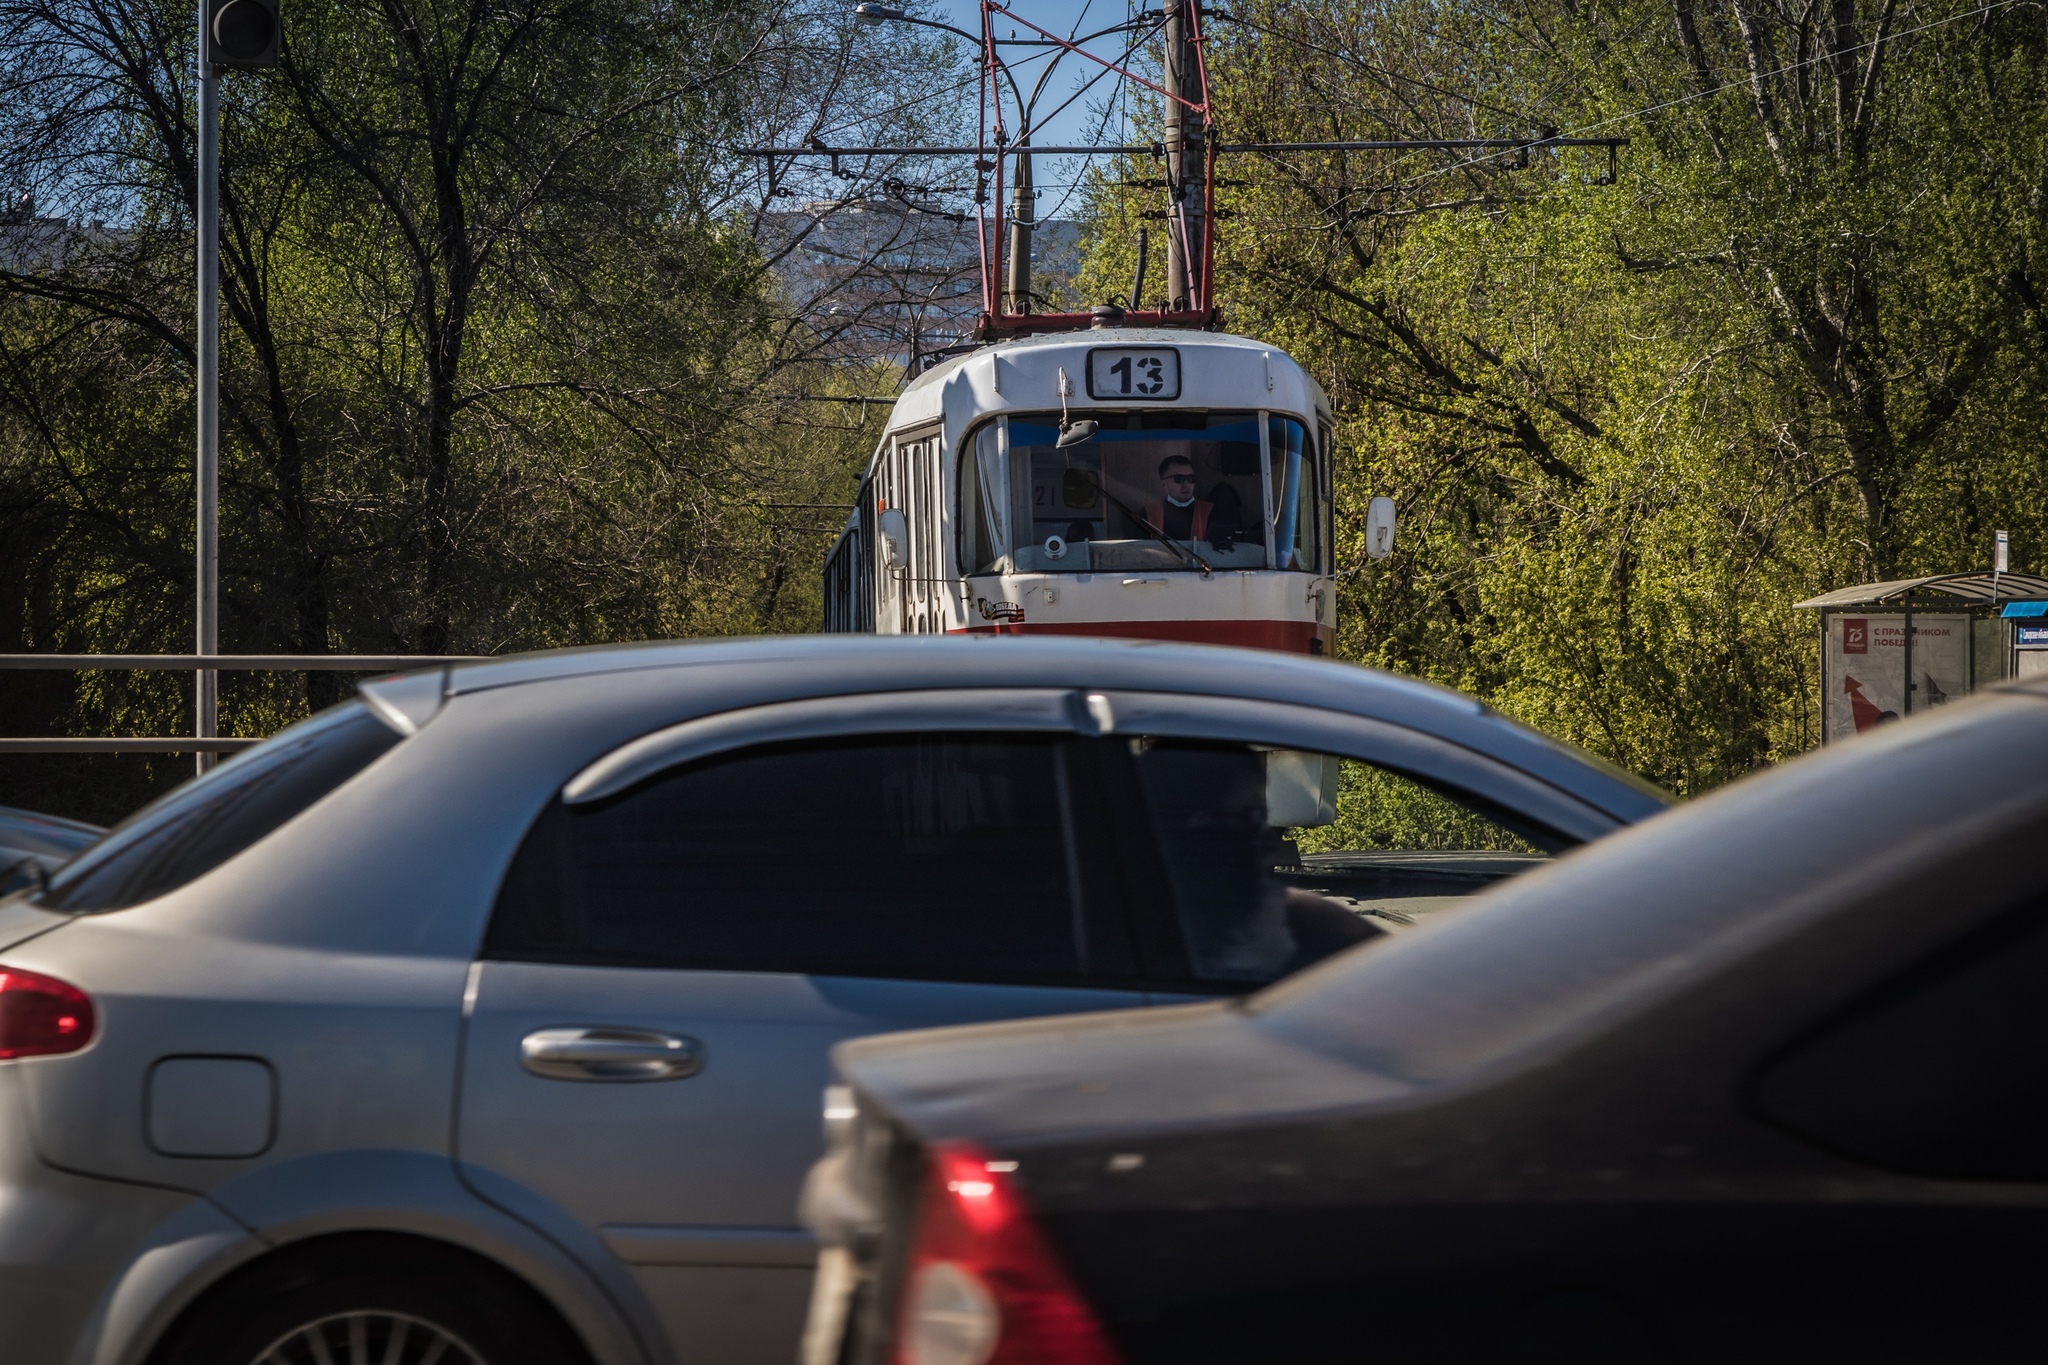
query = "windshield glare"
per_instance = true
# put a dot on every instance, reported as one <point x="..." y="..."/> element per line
<point x="1149" y="491"/>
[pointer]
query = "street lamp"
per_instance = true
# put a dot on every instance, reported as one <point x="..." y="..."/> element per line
<point x="232" y="33"/>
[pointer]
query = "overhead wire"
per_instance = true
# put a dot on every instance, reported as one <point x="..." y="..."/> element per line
<point x="930" y="95"/>
<point x="1109" y="108"/>
<point x="1657" y="108"/>
<point x="1089" y="84"/>
<point x="1073" y="185"/>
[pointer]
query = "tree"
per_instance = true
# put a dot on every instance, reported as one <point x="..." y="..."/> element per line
<point x="501" y="360"/>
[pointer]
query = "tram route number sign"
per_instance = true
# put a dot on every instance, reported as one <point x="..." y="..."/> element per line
<point x="1142" y="372"/>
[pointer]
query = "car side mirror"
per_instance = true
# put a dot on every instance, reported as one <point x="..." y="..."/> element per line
<point x="1379" y="527"/>
<point x="895" y="538"/>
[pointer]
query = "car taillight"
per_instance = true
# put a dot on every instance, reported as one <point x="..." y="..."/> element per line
<point x="981" y="1284"/>
<point x="41" y="1016"/>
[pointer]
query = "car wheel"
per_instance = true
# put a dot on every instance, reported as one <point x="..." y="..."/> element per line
<point x="367" y="1337"/>
<point x="407" y="1309"/>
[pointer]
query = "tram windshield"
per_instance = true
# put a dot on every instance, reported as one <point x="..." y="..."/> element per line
<point x="1149" y="491"/>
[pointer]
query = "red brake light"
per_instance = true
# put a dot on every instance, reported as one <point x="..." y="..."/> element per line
<point x="982" y="1285"/>
<point x="41" y="1016"/>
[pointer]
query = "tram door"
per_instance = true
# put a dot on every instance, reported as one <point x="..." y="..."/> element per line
<point x="908" y="480"/>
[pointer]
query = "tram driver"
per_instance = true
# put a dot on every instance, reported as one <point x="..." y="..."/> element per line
<point x="1180" y="515"/>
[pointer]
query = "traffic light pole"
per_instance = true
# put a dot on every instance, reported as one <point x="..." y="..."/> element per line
<point x="206" y="468"/>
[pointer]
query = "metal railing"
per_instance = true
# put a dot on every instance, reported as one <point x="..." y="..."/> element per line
<point x="193" y="663"/>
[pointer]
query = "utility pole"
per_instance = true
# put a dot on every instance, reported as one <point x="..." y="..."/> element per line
<point x="1187" y="166"/>
<point x="232" y="33"/>
<point x="206" y="473"/>
<point x="1023" y="217"/>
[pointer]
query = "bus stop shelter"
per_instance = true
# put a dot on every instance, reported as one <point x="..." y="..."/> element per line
<point x="1889" y="649"/>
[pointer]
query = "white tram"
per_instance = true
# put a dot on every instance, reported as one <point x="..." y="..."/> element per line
<point x="1124" y="481"/>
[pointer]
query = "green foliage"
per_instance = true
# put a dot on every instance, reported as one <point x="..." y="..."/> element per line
<point x="502" y="364"/>
<point x="1381" y="809"/>
<point x="1799" y="345"/>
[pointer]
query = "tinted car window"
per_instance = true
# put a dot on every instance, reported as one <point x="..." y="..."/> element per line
<point x="1278" y="858"/>
<point x="932" y="856"/>
<point x="1942" y="1073"/>
<point x="210" y="819"/>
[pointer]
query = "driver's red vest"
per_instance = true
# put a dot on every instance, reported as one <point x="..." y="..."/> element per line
<point x="1197" y="528"/>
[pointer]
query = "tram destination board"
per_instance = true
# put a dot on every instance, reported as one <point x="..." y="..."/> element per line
<point x="1146" y="372"/>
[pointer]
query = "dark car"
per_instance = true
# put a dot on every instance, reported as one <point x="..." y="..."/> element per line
<point x="33" y="845"/>
<point x="1765" y="1079"/>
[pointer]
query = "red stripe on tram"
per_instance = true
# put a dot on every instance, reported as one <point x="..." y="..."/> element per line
<point x="1288" y="637"/>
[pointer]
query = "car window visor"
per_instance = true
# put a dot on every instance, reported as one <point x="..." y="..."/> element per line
<point x="1529" y="805"/>
<point x="1432" y="760"/>
<point x="995" y="708"/>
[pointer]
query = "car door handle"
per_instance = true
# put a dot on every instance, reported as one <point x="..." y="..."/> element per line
<point x="610" y="1054"/>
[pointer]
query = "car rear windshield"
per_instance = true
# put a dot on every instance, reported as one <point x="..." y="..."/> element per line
<point x="191" y="831"/>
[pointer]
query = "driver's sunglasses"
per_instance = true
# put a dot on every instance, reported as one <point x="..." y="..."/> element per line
<point x="1180" y="478"/>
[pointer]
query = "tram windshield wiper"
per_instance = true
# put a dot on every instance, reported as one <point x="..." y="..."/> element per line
<point x="1188" y="556"/>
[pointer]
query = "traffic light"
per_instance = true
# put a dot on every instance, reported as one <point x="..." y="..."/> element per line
<point x="242" y="33"/>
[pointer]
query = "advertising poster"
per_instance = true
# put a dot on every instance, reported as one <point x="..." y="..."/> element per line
<point x="2030" y="644"/>
<point x="1866" y="668"/>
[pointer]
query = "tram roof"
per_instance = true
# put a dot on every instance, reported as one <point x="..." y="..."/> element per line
<point x="1218" y="370"/>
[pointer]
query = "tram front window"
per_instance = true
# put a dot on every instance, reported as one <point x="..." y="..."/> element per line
<point x="1149" y="491"/>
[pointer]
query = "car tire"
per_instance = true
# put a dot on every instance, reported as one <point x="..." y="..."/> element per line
<point x="341" y="1309"/>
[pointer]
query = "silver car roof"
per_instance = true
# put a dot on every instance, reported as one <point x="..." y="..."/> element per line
<point x="827" y="665"/>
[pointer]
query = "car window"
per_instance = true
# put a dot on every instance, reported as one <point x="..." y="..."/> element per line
<point x="1942" y="1072"/>
<point x="951" y="857"/>
<point x="194" y="829"/>
<point x="1276" y="858"/>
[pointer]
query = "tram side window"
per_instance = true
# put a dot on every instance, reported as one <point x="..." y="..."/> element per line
<point x="1297" y="497"/>
<point x="1275" y="859"/>
<point x="984" y="507"/>
<point x="927" y="856"/>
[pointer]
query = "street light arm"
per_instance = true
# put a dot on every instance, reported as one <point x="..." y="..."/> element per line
<point x="871" y="13"/>
<point x="902" y="18"/>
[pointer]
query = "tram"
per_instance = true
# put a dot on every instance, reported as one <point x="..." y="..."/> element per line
<point x="1133" y="481"/>
<point x="1126" y="471"/>
<point x="1123" y="471"/>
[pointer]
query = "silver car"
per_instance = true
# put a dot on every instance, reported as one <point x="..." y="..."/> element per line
<point x="483" y="1018"/>
<point x="33" y="845"/>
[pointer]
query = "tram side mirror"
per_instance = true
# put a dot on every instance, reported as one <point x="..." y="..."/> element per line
<point x="1074" y="433"/>
<point x="1379" y="527"/>
<point x="895" y="538"/>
